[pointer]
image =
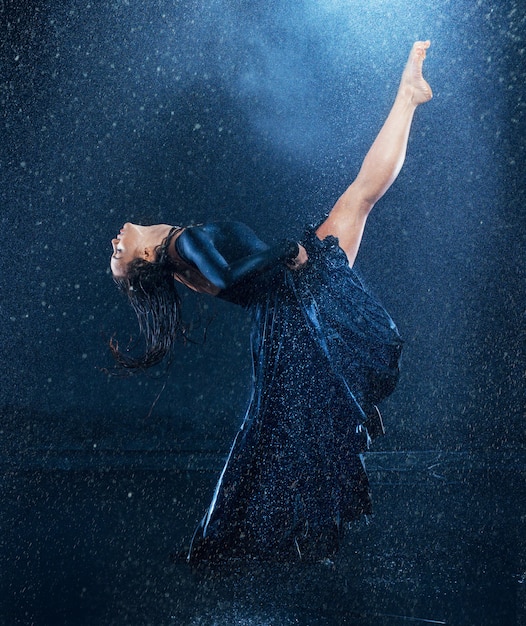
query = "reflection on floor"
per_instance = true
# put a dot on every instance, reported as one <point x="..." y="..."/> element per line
<point x="85" y="545"/>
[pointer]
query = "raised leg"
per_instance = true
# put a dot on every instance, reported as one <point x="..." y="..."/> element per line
<point x="383" y="162"/>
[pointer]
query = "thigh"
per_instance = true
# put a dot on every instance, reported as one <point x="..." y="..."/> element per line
<point x="346" y="222"/>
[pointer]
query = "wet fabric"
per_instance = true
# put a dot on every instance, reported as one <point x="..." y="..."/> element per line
<point x="324" y="353"/>
<point x="226" y="254"/>
<point x="186" y="273"/>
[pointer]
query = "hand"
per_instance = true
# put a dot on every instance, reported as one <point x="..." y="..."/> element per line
<point x="300" y="261"/>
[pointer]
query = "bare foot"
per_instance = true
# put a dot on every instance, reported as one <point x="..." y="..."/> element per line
<point x="413" y="83"/>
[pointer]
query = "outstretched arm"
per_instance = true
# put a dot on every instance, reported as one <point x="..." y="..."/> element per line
<point x="383" y="162"/>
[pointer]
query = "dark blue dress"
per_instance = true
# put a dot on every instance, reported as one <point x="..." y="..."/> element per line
<point x="324" y="353"/>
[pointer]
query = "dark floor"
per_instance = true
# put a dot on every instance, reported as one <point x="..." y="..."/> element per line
<point x="83" y="546"/>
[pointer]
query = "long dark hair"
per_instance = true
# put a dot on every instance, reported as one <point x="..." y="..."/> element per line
<point x="150" y="289"/>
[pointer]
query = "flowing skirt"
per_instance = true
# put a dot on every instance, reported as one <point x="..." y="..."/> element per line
<point x="324" y="353"/>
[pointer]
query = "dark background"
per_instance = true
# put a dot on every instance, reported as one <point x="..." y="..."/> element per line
<point x="188" y="111"/>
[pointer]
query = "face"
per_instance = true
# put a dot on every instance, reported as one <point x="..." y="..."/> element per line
<point x="135" y="242"/>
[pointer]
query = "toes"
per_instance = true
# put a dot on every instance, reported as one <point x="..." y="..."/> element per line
<point x="420" y="49"/>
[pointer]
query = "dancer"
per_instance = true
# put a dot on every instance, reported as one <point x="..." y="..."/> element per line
<point x="325" y="352"/>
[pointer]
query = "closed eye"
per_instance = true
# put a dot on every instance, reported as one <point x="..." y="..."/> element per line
<point x="116" y="250"/>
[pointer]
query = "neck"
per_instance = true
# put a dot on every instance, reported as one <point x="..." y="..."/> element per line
<point x="171" y="237"/>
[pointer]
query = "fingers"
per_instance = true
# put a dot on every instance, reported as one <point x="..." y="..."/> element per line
<point x="300" y="261"/>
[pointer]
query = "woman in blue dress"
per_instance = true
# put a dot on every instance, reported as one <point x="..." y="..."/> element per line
<point x="325" y="352"/>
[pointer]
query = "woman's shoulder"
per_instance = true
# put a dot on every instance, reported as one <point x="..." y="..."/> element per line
<point x="215" y="225"/>
<point x="212" y="232"/>
<point x="223" y="230"/>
